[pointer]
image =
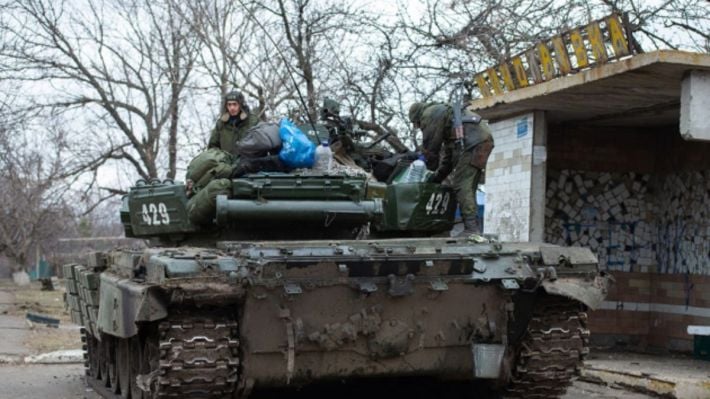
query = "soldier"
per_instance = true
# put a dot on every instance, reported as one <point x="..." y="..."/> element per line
<point x="233" y="123"/>
<point x="467" y="158"/>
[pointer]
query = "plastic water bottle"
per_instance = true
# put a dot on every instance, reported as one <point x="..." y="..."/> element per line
<point x="415" y="171"/>
<point x="324" y="157"/>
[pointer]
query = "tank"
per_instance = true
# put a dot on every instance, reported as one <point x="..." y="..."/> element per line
<point x="305" y="279"/>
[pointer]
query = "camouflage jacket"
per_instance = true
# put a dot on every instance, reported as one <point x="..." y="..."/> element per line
<point x="436" y="123"/>
<point x="228" y="131"/>
<point x="438" y="136"/>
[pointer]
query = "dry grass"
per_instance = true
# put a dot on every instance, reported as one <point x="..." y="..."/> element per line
<point x="41" y="339"/>
<point x="50" y="303"/>
<point x="32" y="299"/>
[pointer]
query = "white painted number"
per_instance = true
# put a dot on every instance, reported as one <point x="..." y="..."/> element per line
<point x="438" y="203"/>
<point x="155" y="215"/>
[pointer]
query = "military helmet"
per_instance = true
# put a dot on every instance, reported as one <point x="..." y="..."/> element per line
<point x="234" y="95"/>
<point x="330" y="107"/>
<point x="415" y="112"/>
<point x="237" y="96"/>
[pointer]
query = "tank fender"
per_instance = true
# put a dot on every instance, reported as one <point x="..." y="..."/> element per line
<point x="124" y="302"/>
<point x="589" y="291"/>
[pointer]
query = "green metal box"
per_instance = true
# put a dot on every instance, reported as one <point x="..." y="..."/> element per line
<point x="155" y="209"/>
<point x="701" y="347"/>
<point x="424" y="207"/>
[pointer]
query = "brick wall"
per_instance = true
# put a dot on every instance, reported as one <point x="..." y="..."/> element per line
<point x="653" y="310"/>
<point x="603" y="149"/>
<point x="508" y="179"/>
<point x="640" y="198"/>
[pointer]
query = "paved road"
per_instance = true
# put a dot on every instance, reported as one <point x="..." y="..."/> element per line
<point x="66" y="382"/>
<point x="584" y="390"/>
<point x="43" y="381"/>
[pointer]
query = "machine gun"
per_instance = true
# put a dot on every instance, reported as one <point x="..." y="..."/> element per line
<point x="344" y="132"/>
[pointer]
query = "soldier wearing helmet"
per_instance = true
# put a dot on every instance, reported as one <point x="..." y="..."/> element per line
<point x="444" y="155"/>
<point x="233" y="123"/>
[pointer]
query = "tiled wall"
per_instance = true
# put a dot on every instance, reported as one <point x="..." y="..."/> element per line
<point x="633" y="221"/>
<point x="508" y="179"/>
<point x="640" y="198"/>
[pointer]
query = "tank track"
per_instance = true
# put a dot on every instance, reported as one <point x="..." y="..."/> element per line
<point x="198" y="357"/>
<point x="188" y="357"/>
<point x="552" y="351"/>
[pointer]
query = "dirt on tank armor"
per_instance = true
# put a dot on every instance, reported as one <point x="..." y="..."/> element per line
<point x="278" y="292"/>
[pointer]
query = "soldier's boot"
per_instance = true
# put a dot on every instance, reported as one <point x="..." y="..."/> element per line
<point x="470" y="227"/>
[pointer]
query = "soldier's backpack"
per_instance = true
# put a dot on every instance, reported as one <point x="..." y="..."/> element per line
<point x="260" y="140"/>
<point x="210" y="164"/>
<point x="269" y="163"/>
<point x="202" y="207"/>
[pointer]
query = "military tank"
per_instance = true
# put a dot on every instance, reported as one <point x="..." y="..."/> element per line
<point x="305" y="278"/>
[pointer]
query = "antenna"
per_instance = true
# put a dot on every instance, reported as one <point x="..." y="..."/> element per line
<point x="288" y="67"/>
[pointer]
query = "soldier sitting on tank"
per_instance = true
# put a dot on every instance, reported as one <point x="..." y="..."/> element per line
<point x="218" y="159"/>
<point x="444" y="152"/>
<point x="233" y="124"/>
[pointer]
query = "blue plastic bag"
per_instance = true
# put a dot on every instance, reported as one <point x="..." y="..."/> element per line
<point x="297" y="151"/>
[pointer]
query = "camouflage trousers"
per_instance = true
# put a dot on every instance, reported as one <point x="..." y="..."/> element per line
<point x="465" y="180"/>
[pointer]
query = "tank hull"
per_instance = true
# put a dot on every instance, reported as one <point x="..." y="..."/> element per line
<point x="197" y="322"/>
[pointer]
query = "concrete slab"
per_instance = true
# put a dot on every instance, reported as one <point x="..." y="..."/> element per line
<point x="7" y="300"/>
<point x="671" y="376"/>
<point x="13" y="331"/>
<point x="694" y="105"/>
<point x="57" y="357"/>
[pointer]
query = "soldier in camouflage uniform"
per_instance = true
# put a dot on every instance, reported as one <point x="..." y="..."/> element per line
<point x="233" y="124"/>
<point x="444" y="152"/>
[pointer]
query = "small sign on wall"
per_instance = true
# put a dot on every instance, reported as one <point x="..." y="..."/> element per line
<point x="539" y="154"/>
<point x="522" y="127"/>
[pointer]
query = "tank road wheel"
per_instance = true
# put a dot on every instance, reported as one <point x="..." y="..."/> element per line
<point x="95" y="358"/>
<point x="101" y="354"/>
<point x="552" y="350"/>
<point x="146" y="369"/>
<point x="109" y="345"/>
<point x="123" y="367"/>
<point x="104" y="359"/>
<point x="92" y="355"/>
<point x="136" y="366"/>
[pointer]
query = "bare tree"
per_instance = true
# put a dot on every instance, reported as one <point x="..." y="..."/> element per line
<point x="235" y="54"/>
<point x="130" y="77"/>
<point x="33" y="199"/>
<point x="461" y="37"/>
<point x="120" y="66"/>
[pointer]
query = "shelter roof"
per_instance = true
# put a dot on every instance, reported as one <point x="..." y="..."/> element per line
<point x="641" y="90"/>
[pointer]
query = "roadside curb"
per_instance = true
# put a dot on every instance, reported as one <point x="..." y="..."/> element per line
<point x="646" y="383"/>
<point x="58" y="357"/>
<point x="11" y="359"/>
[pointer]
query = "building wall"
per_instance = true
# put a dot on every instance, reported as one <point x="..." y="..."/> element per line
<point x="508" y="179"/>
<point x="640" y="199"/>
<point x="652" y="310"/>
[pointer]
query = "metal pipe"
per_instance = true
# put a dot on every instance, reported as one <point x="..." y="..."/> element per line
<point x="230" y="210"/>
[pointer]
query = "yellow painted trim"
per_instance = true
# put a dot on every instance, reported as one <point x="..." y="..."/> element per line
<point x="548" y="67"/>
<point x="580" y="51"/>
<point x="618" y="41"/>
<point x="561" y="54"/>
<point x="597" y="41"/>
<point x="520" y="74"/>
<point x="494" y="81"/>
